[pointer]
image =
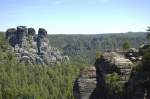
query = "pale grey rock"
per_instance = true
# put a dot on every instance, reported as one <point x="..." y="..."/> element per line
<point x="33" y="49"/>
<point x="66" y="58"/>
<point x="25" y="53"/>
<point x="16" y="48"/>
<point x="39" y="61"/>
<point x="26" y="60"/>
<point x="59" y="58"/>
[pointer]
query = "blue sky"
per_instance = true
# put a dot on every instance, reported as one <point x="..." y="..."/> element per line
<point x="76" y="16"/>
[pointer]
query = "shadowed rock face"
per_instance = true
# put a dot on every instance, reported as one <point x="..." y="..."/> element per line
<point x="22" y="32"/>
<point x="10" y="32"/>
<point x="41" y="41"/>
<point x="11" y="36"/>
<point x="17" y="36"/>
<point x="85" y="85"/>
<point x="32" y="49"/>
<point x="95" y="87"/>
<point x="42" y="33"/>
<point x="110" y="62"/>
<point x="31" y="31"/>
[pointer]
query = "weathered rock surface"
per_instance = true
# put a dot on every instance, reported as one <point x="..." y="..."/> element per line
<point x="119" y="64"/>
<point x="31" y="48"/>
<point x="85" y="84"/>
<point x="42" y="41"/>
<point x="95" y="87"/>
<point x="91" y="83"/>
<point x="11" y="36"/>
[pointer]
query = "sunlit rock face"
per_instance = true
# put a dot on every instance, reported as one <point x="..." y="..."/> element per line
<point x="91" y="83"/>
<point x="31" y="48"/>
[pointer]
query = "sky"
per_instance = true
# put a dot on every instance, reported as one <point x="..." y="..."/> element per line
<point x="76" y="16"/>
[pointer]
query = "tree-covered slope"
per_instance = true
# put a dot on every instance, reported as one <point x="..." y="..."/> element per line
<point x="20" y="81"/>
<point x="86" y="46"/>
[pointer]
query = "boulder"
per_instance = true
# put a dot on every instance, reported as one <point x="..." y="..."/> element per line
<point x="26" y="60"/>
<point x="39" y="61"/>
<point x="66" y="58"/>
<point x="25" y="53"/>
<point x="16" y="48"/>
<point x="59" y="58"/>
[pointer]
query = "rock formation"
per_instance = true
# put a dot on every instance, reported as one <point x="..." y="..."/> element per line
<point x="119" y="64"/>
<point x="31" y="48"/>
<point x="42" y="41"/>
<point x="134" y="55"/>
<point x="94" y="87"/>
<point x="85" y="84"/>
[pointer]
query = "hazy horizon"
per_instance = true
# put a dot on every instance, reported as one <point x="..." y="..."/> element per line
<point x="76" y="16"/>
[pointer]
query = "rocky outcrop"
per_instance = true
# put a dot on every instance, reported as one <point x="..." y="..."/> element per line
<point x="85" y="84"/>
<point x="31" y="48"/>
<point x="11" y="36"/>
<point x="31" y="31"/>
<point x="42" y="41"/>
<point x="134" y="55"/>
<point x="92" y="84"/>
<point x="118" y="64"/>
<point x="123" y="65"/>
<point x="22" y="36"/>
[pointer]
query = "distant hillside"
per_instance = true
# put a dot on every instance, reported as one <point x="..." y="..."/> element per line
<point x="85" y="46"/>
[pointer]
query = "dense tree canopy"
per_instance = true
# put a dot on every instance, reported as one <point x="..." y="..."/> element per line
<point x="86" y="46"/>
<point x="125" y="45"/>
<point x="20" y="81"/>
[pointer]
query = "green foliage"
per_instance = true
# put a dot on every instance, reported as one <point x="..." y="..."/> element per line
<point x="114" y="85"/>
<point x="20" y="81"/>
<point x="3" y="42"/>
<point x="142" y="74"/>
<point x="125" y="45"/>
<point x="98" y="55"/>
<point x="85" y="46"/>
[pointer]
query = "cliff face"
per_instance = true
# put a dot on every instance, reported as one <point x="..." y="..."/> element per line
<point x="109" y="86"/>
<point x="31" y="48"/>
<point x="109" y="64"/>
<point x="85" y="84"/>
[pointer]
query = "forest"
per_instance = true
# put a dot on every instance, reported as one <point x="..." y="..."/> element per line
<point x="85" y="47"/>
<point x="21" y="81"/>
